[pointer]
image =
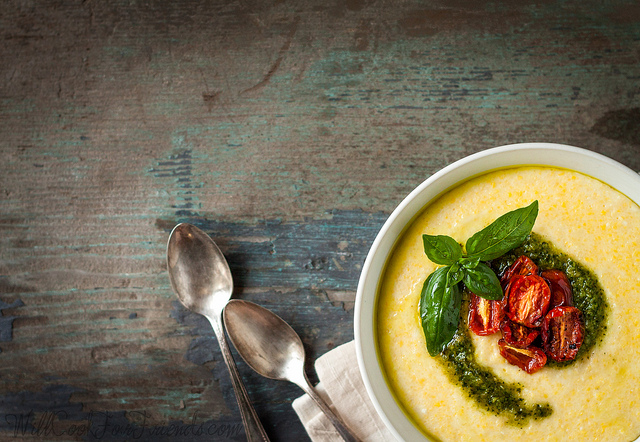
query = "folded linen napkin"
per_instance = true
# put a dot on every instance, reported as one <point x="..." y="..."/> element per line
<point x="341" y="386"/>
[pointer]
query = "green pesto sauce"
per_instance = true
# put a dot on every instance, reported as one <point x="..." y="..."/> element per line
<point x="489" y="391"/>
<point x="483" y="386"/>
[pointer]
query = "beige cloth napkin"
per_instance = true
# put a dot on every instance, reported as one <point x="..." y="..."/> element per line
<point x="342" y="388"/>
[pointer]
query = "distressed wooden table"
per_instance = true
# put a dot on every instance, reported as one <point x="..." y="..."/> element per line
<point x="288" y="131"/>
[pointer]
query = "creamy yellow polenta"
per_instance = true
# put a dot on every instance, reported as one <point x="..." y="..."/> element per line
<point x="595" y="399"/>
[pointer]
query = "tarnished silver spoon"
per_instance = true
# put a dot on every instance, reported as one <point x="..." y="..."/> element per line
<point x="273" y="349"/>
<point x="201" y="278"/>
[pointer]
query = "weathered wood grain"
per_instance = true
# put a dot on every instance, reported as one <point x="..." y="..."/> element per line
<point x="288" y="131"/>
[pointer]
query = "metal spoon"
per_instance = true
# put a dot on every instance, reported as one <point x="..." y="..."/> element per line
<point x="201" y="278"/>
<point x="273" y="349"/>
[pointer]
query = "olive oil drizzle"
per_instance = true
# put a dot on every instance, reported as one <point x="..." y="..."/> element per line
<point x="494" y="394"/>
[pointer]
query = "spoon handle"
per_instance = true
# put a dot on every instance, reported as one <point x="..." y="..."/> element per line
<point x="253" y="428"/>
<point x="338" y="423"/>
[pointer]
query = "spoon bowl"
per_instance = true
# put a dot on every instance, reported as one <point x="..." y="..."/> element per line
<point x="198" y="270"/>
<point x="274" y="350"/>
<point x="265" y="341"/>
<point x="201" y="279"/>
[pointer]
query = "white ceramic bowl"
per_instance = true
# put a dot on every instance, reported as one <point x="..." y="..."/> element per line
<point x="595" y="165"/>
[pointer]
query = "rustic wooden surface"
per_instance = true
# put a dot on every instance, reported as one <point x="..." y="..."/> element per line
<point x="288" y="131"/>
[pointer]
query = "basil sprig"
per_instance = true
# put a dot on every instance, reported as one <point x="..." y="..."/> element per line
<point x="440" y="299"/>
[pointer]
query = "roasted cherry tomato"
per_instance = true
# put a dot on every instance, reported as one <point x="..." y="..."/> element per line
<point x="518" y="335"/>
<point x="561" y="293"/>
<point x="529" y="359"/>
<point x="562" y="333"/>
<point x="528" y="300"/>
<point x="521" y="266"/>
<point x="485" y="315"/>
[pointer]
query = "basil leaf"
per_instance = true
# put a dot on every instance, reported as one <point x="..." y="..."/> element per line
<point x="482" y="281"/>
<point x="455" y="274"/>
<point x="439" y="310"/>
<point x="470" y="262"/>
<point x="442" y="249"/>
<point x="505" y="233"/>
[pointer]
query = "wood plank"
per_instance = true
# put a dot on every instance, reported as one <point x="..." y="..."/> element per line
<point x="289" y="131"/>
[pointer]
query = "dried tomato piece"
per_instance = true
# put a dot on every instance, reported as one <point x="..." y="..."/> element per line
<point x="528" y="300"/>
<point x="529" y="359"/>
<point x="485" y="315"/>
<point x="521" y="266"/>
<point x="562" y="333"/>
<point x="561" y="293"/>
<point x="518" y="335"/>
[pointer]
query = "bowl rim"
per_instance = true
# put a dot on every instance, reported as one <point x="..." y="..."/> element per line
<point x="596" y="165"/>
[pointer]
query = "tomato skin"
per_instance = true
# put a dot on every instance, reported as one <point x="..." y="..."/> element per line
<point x="528" y="300"/>
<point x="562" y="333"/>
<point x="561" y="292"/>
<point x="518" y="335"/>
<point x="530" y="359"/>
<point x="521" y="266"/>
<point x="485" y="315"/>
